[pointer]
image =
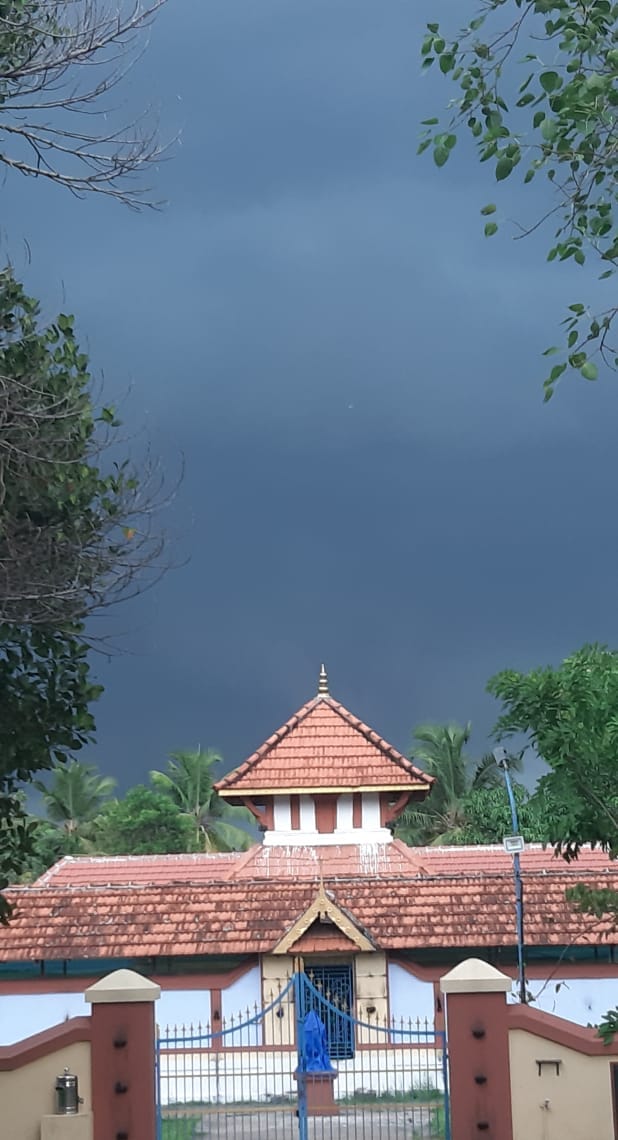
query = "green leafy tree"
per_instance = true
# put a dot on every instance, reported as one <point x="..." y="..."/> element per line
<point x="17" y="839"/>
<point x="74" y="526"/>
<point x="569" y="716"/>
<point x="59" y="63"/>
<point x="189" y="783"/>
<point x="74" y="536"/>
<point x="487" y="816"/>
<point x="73" y="798"/>
<point x="44" y="718"/>
<point x="536" y="90"/>
<point x="442" y="818"/>
<point x="48" y="844"/>
<point x="145" y="822"/>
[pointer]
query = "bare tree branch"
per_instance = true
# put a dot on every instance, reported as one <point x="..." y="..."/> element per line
<point x="62" y="58"/>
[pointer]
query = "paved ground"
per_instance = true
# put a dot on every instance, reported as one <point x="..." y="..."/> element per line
<point x="418" y="1122"/>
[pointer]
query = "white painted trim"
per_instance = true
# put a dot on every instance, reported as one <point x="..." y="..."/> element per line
<point x="356" y="838"/>
<point x="282" y="814"/>
<point x="371" y="810"/>
<point x="345" y="812"/>
<point x="307" y="813"/>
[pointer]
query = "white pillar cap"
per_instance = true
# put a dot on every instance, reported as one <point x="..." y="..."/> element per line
<point x="475" y="977"/>
<point x="123" y="986"/>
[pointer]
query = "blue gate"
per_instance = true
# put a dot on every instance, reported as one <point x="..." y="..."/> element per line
<point x="303" y="1068"/>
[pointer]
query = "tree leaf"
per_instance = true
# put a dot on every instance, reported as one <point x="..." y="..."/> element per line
<point x="550" y="81"/>
<point x="549" y="129"/>
<point x="504" y="167"/>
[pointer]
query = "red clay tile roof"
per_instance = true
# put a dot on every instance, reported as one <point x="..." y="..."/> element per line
<point x="331" y="861"/>
<point x="281" y="864"/>
<point x="250" y="917"/>
<point x="490" y="858"/>
<point x="323" y="746"/>
<point x="259" y="862"/>
<point x="105" y="870"/>
<point x="407" y="898"/>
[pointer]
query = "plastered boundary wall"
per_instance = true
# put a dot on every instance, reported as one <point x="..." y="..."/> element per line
<point x="112" y="1053"/>
<point x="561" y="1079"/>
<point x="28" y="1072"/>
<point x="517" y="1073"/>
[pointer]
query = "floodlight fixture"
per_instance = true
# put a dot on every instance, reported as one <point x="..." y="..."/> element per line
<point x="513" y="844"/>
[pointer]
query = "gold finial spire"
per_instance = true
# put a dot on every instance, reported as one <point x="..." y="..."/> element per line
<point x="323" y="682"/>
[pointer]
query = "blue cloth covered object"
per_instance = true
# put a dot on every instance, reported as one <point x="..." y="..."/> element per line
<point x="315" y="1057"/>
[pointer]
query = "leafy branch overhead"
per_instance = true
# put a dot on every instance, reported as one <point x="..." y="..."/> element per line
<point x="560" y="58"/>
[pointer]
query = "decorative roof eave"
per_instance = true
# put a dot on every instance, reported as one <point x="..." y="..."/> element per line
<point x="335" y="789"/>
<point x="323" y="909"/>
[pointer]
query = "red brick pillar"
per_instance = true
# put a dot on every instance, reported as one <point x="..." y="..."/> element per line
<point x="478" y="1049"/>
<point x="122" y="1056"/>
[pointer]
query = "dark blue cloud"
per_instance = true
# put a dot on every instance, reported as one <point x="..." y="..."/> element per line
<point x="353" y="376"/>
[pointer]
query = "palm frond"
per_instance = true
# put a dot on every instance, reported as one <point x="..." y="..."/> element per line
<point x="439" y="749"/>
<point x="189" y="782"/>
<point x="74" y="795"/>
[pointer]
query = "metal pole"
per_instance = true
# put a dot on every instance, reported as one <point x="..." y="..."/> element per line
<point x="519" y="889"/>
<point x="301" y="1074"/>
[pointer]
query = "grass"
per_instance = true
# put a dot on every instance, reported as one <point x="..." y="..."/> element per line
<point x="359" y="1098"/>
<point x="406" y="1099"/>
<point x="437" y="1124"/>
<point x="178" y="1128"/>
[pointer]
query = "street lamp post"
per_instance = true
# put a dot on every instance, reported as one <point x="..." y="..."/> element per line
<point x="514" y="844"/>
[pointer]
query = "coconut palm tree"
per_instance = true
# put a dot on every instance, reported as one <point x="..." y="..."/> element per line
<point x="440" y="751"/>
<point x="189" y="782"/>
<point x="73" y="799"/>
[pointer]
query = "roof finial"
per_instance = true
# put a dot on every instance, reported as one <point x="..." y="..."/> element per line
<point x="323" y="682"/>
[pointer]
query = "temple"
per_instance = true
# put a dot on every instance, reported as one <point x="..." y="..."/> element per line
<point x="325" y="778"/>
<point x="327" y="890"/>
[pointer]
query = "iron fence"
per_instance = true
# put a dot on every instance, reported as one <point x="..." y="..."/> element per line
<point x="245" y="1077"/>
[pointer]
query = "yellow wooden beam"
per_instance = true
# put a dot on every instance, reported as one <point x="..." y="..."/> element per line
<point x="337" y="790"/>
<point x="321" y="909"/>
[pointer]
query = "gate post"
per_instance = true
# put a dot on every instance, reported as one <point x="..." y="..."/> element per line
<point x="478" y="1050"/>
<point x="123" y="1056"/>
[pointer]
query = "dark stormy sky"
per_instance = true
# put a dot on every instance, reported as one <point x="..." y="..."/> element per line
<point x="352" y="375"/>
